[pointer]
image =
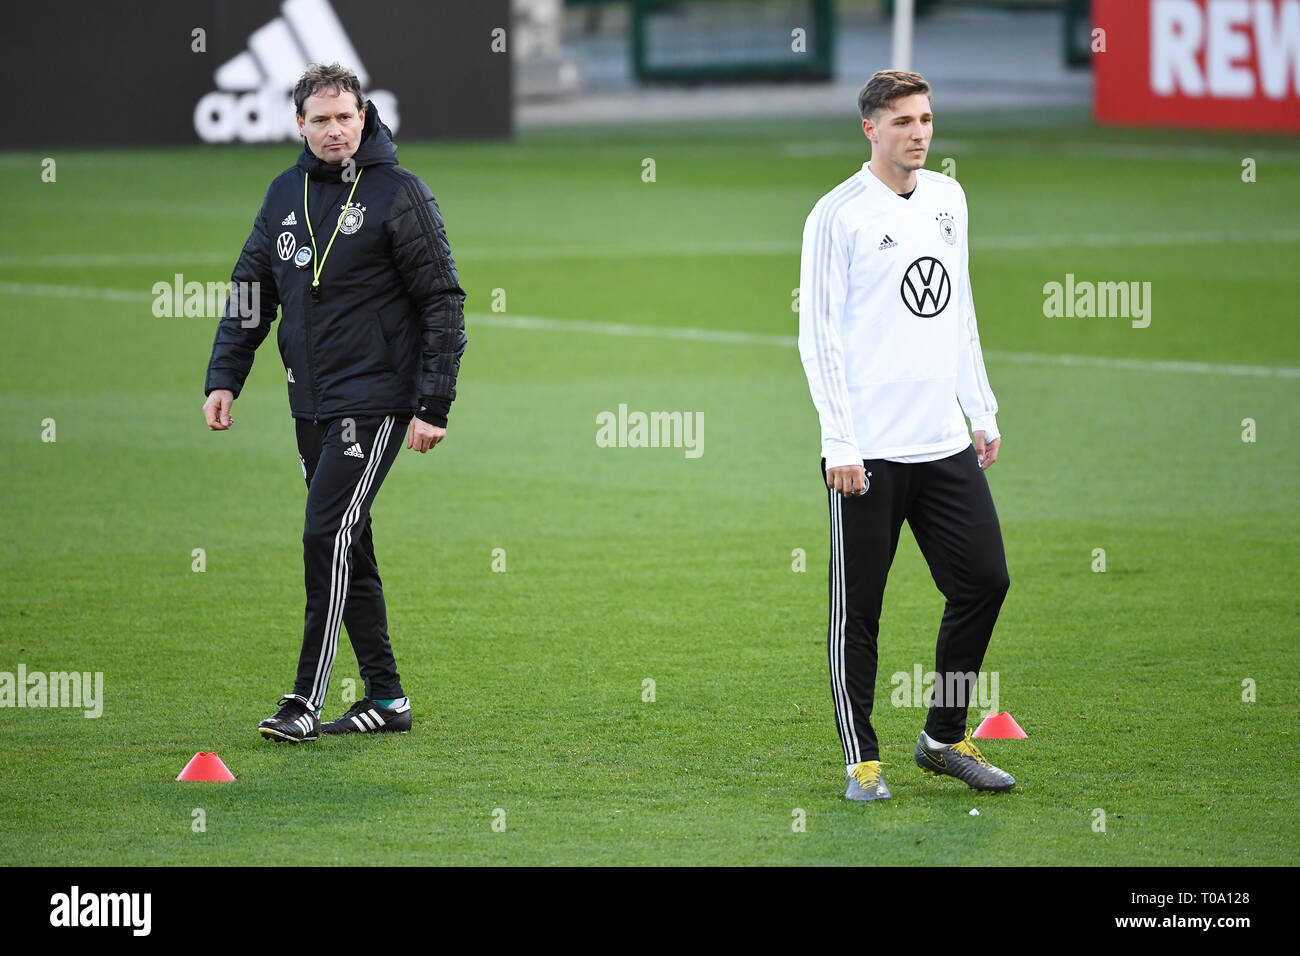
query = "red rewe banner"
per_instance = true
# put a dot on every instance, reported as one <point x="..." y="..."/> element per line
<point x="1216" y="64"/>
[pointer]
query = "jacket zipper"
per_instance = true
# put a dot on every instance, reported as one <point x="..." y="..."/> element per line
<point x="311" y="368"/>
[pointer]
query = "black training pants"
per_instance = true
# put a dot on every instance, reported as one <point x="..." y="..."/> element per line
<point x="949" y="508"/>
<point x="344" y="461"/>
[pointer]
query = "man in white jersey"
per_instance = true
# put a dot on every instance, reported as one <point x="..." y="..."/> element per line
<point x="888" y="340"/>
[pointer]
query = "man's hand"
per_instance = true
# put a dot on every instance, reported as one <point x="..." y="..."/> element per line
<point x="847" y="479"/>
<point x="987" y="454"/>
<point x="422" y="436"/>
<point x="217" y="409"/>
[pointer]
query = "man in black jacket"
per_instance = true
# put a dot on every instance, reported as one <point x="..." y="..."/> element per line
<point x="351" y="248"/>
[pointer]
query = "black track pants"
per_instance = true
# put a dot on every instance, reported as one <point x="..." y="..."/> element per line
<point x="344" y="461"/>
<point x="949" y="508"/>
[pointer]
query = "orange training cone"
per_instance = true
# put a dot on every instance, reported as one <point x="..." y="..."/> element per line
<point x="1000" y="727"/>
<point x="206" y="767"/>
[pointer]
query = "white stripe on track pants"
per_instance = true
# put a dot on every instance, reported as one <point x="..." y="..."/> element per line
<point x="949" y="508"/>
<point x="344" y="461"/>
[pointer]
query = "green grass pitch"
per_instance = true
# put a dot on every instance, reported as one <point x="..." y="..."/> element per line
<point x="627" y="564"/>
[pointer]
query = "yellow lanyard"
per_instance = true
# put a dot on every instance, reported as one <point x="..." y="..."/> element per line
<point x="320" y="263"/>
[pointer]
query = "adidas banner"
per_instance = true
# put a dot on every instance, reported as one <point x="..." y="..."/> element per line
<point x="222" y="71"/>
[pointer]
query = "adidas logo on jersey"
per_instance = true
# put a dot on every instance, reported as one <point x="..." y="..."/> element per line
<point x="290" y="371"/>
<point x="289" y="220"/>
<point x="354" y="451"/>
<point x="886" y="243"/>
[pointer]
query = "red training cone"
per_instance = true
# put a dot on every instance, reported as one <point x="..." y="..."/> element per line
<point x="1000" y="727"/>
<point x="206" y="767"/>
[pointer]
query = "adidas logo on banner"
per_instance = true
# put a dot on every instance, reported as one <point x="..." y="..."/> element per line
<point x="355" y="451"/>
<point x="886" y="243"/>
<point x="253" y="100"/>
<point x="289" y="220"/>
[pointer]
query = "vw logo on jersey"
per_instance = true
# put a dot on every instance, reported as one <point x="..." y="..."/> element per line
<point x="303" y="257"/>
<point x="926" y="289"/>
<point x="285" y="243"/>
<point x="351" y="219"/>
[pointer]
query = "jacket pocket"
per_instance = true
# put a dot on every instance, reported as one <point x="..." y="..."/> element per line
<point x="290" y="351"/>
<point x="348" y="348"/>
<point x="384" y="342"/>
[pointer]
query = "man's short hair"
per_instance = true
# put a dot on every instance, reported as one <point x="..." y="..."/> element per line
<point x="885" y="86"/>
<point x="334" y="77"/>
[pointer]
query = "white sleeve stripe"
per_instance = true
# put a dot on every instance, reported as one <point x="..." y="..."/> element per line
<point x="971" y="344"/>
<point x="825" y="237"/>
<point x="976" y="354"/>
<point x="842" y="409"/>
<point x="836" y="397"/>
<point x="977" y="357"/>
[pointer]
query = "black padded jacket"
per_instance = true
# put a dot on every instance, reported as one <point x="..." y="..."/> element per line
<point x="384" y="333"/>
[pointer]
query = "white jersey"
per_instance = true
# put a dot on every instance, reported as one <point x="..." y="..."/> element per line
<point x="887" y="322"/>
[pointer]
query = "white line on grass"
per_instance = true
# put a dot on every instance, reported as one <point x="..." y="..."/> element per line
<point x="1170" y="151"/>
<point x="1202" y="237"/>
<point x="75" y="292"/>
<point x="1176" y="152"/>
<point x="677" y="333"/>
<point x="90" y="259"/>
<point x="1146" y="365"/>
<point x="537" y="323"/>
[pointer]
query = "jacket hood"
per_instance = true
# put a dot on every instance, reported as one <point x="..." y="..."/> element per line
<point x="376" y="149"/>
